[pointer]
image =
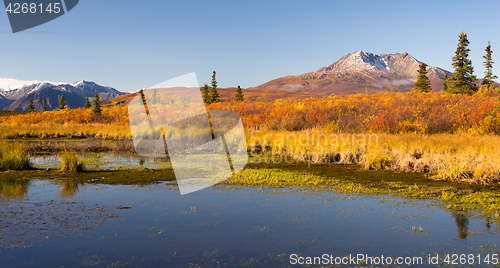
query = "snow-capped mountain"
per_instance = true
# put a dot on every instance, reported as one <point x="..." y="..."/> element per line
<point x="360" y="72"/>
<point x="7" y="84"/>
<point x="74" y="94"/>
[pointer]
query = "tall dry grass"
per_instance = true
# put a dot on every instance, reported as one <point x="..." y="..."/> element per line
<point x="67" y="130"/>
<point x="13" y="156"/>
<point x="70" y="162"/>
<point x="455" y="157"/>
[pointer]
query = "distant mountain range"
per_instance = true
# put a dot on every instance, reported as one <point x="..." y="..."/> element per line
<point x="359" y="72"/>
<point x="74" y="95"/>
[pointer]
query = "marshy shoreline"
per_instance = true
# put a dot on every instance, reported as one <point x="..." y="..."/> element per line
<point x="461" y="170"/>
<point x="342" y="178"/>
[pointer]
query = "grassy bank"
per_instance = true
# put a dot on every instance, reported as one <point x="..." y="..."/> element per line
<point x="448" y="157"/>
<point x="37" y="146"/>
<point x="67" y="130"/>
<point x="454" y="157"/>
<point x="354" y="179"/>
<point x="449" y="136"/>
<point x="112" y="177"/>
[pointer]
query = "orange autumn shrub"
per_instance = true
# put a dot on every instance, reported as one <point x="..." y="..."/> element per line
<point x="109" y="115"/>
<point x="424" y="113"/>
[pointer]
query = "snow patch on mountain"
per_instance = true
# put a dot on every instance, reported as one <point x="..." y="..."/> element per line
<point x="7" y="84"/>
<point x="40" y="85"/>
<point x="358" y="61"/>
<point x="372" y="59"/>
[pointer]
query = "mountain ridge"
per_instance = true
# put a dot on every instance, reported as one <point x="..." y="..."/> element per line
<point x="74" y="95"/>
<point x="360" y="72"/>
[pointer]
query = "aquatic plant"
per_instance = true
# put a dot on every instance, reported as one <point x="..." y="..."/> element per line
<point x="13" y="156"/>
<point x="70" y="162"/>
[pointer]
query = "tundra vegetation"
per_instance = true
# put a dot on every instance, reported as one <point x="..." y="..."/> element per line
<point x="449" y="136"/>
<point x="452" y="136"/>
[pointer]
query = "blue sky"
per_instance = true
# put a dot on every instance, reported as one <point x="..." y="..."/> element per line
<point x="134" y="44"/>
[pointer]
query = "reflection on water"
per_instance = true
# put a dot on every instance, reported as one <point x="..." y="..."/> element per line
<point x="223" y="226"/>
<point x="16" y="189"/>
<point x="462" y="223"/>
<point x="11" y="189"/>
<point x="68" y="188"/>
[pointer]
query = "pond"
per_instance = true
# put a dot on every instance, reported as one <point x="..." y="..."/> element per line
<point x="102" y="161"/>
<point x="51" y="223"/>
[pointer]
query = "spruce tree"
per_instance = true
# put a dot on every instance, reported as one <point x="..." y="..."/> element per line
<point x="154" y="97"/>
<point x="62" y="103"/>
<point x="87" y="104"/>
<point x="445" y="83"/>
<point x="423" y="84"/>
<point x="31" y="107"/>
<point x="96" y="106"/>
<point x="463" y="80"/>
<point x="44" y="104"/>
<point x="239" y="94"/>
<point x="488" y="64"/>
<point x="214" y="95"/>
<point x="206" y="94"/>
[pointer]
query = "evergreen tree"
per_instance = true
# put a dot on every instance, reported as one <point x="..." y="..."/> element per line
<point x="239" y="94"/>
<point x="62" y="103"/>
<point x="96" y="106"/>
<point x="463" y="81"/>
<point x="445" y="83"/>
<point x="423" y="84"/>
<point x="44" y="104"/>
<point x="214" y="95"/>
<point x="206" y="94"/>
<point x="31" y="107"/>
<point x="87" y="104"/>
<point x="488" y="64"/>
<point x="154" y="97"/>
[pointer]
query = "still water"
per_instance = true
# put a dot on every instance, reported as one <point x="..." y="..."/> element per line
<point x="48" y="223"/>
<point x="101" y="161"/>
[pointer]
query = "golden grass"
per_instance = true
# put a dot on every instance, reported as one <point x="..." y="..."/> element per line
<point x="100" y="131"/>
<point x="13" y="156"/>
<point x="70" y="162"/>
<point x="456" y="157"/>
